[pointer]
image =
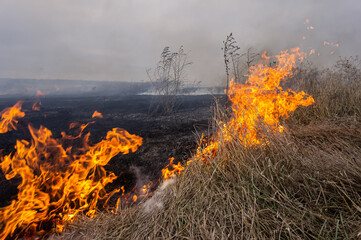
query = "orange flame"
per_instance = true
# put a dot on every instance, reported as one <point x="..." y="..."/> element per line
<point x="260" y="99"/>
<point x="133" y="196"/>
<point x="79" y="127"/>
<point x="312" y="51"/>
<point x="172" y="170"/>
<point x="97" y="114"/>
<point x="143" y="192"/>
<point x="57" y="182"/>
<point x="36" y="105"/>
<point x="264" y="55"/>
<point x="40" y="93"/>
<point x="9" y="117"/>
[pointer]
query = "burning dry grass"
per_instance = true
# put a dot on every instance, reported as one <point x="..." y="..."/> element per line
<point x="302" y="184"/>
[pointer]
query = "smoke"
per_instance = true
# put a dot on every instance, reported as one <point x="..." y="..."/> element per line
<point x="156" y="201"/>
<point x="118" y="40"/>
<point x="141" y="179"/>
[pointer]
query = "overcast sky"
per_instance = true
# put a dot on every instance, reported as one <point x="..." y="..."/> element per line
<point x="118" y="40"/>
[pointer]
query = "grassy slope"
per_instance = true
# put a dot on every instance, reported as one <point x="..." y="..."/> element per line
<point x="302" y="184"/>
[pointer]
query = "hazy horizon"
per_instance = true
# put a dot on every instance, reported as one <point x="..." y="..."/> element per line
<point x="115" y="40"/>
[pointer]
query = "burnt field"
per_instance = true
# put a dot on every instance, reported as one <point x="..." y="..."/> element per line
<point x="163" y="136"/>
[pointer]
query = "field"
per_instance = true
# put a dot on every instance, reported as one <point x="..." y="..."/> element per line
<point x="301" y="184"/>
<point x="164" y="136"/>
<point x="152" y="120"/>
<point x="301" y="181"/>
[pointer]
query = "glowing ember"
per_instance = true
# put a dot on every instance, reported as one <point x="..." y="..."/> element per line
<point x="136" y="195"/>
<point x="9" y="117"/>
<point x="58" y="182"/>
<point x="97" y="114"/>
<point x="145" y="190"/>
<point x="326" y="43"/>
<point x="133" y="196"/>
<point x="312" y="51"/>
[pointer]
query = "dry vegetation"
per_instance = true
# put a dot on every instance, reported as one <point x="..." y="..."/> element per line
<point x="302" y="184"/>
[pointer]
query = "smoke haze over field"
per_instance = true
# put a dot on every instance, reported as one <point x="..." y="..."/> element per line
<point x="117" y="40"/>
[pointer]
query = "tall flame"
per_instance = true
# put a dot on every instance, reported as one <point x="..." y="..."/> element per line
<point x="58" y="182"/>
<point x="9" y="117"/>
<point x="260" y="99"/>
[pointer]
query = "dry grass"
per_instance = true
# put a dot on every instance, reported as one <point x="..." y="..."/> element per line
<point x="337" y="91"/>
<point x="302" y="184"/>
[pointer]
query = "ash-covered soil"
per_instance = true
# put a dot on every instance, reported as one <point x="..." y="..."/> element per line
<point x="163" y="136"/>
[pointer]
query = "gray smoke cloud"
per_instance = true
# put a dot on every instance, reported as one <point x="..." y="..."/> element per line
<point x="118" y="40"/>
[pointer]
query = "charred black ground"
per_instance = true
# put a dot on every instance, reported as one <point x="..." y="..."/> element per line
<point x="163" y="136"/>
